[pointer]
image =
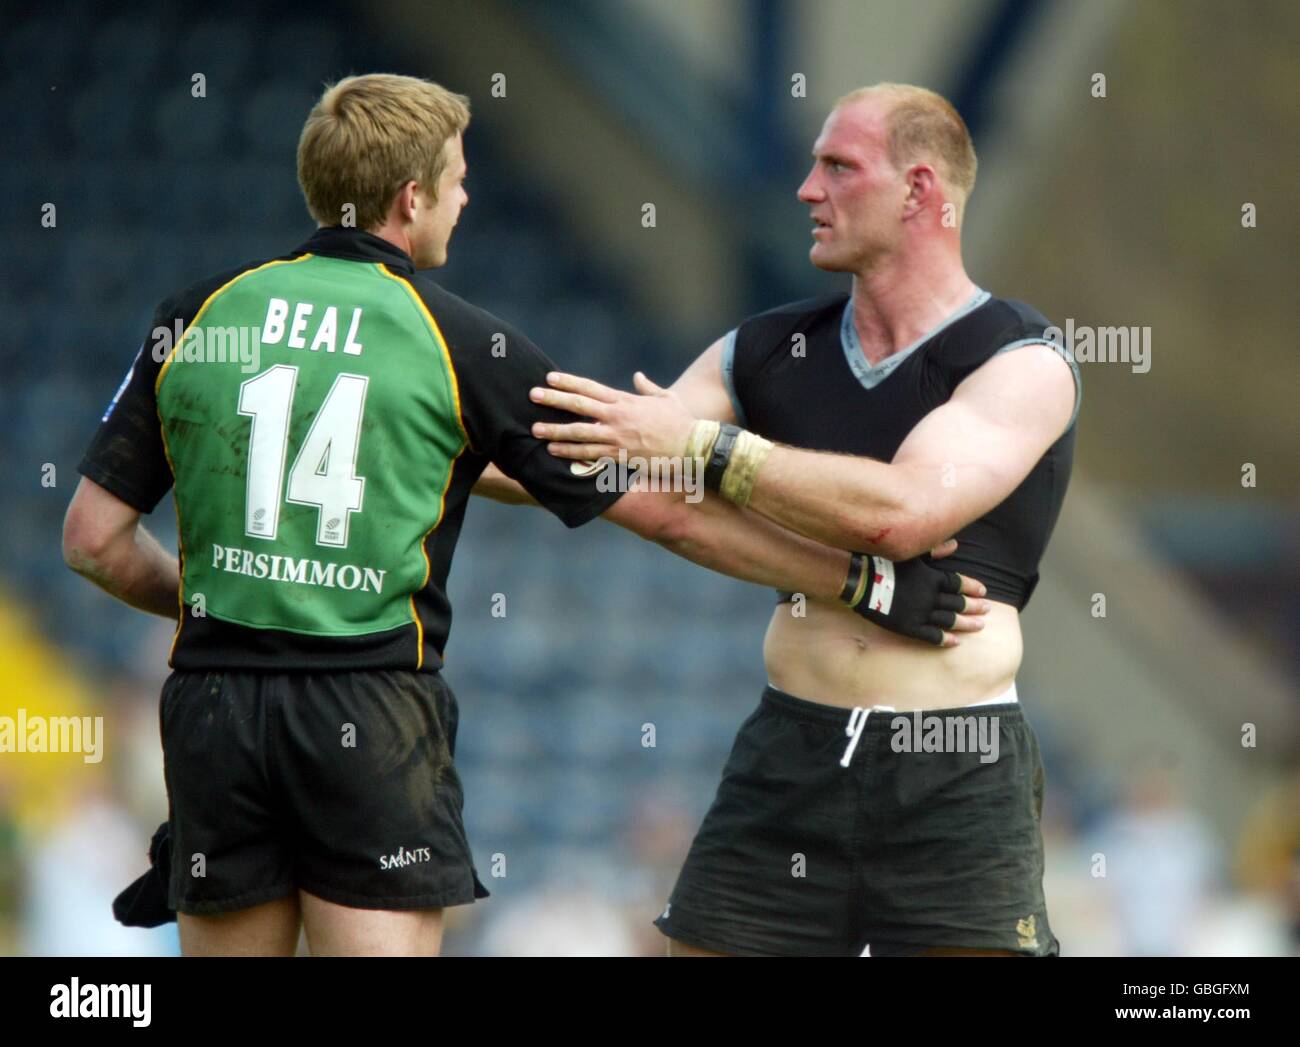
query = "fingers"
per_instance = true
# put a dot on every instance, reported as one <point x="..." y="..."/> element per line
<point x="572" y="383"/>
<point x="971" y="587"/>
<point x="575" y="403"/>
<point x="944" y="549"/>
<point x="645" y="387"/>
<point x="932" y="634"/>
<point x="943" y="619"/>
<point x="966" y="623"/>
<point x="582" y="452"/>
<point x="573" y="432"/>
<point x="961" y="604"/>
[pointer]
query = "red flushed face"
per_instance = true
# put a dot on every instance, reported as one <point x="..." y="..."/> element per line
<point x="854" y="194"/>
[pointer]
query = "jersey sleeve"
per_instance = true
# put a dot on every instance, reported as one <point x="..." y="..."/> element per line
<point x="126" y="456"/>
<point x="494" y="377"/>
<point x="729" y="375"/>
<point x="1030" y="327"/>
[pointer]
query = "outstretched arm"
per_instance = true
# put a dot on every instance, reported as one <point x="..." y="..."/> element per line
<point x="960" y="461"/>
<point x="713" y="533"/>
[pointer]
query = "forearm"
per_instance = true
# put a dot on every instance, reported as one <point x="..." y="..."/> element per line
<point x="499" y="487"/>
<point x="850" y="502"/>
<point x="717" y="535"/>
<point x="136" y="569"/>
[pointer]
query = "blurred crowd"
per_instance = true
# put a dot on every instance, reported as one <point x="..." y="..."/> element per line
<point x="1131" y="868"/>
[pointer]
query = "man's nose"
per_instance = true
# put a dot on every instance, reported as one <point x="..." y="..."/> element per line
<point x="810" y="191"/>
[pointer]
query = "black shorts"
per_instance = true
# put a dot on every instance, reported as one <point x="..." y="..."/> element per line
<point x="338" y="783"/>
<point x="899" y="851"/>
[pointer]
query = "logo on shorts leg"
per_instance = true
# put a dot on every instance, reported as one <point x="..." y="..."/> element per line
<point x="404" y="857"/>
<point x="1028" y="931"/>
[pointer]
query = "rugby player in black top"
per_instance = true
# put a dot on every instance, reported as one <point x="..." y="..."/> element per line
<point x="917" y="407"/>
<point x="307" y="733"/>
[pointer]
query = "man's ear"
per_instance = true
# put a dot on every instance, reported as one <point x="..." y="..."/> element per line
<point x="406" y="202"/>
<point x="921" y="181"/>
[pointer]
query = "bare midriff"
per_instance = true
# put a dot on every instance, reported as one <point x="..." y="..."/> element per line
<point x="833" y="656"/>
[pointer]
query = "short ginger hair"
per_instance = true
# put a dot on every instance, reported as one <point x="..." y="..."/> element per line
<point x="921" y="124"/>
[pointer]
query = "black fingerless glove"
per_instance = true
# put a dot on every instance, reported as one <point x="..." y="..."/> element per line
<point x="911" y="598"/>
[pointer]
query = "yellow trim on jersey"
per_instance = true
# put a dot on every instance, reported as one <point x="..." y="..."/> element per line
<point x="437" y="337"/>
<point x="162" y="371"/>
<point x="451" y="469"/>
<point x="162" y="430"/>
<point x="428" y="567"/>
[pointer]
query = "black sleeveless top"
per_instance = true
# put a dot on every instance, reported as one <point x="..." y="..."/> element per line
<point x="818" y="392"/>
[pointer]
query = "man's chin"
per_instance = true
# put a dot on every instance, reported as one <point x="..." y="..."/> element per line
<point x="825" y="261"/>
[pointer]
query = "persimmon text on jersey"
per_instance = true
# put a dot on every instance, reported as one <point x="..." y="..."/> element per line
<point x="300" y="572"/>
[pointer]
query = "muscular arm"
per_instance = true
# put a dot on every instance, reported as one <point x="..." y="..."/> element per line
<point x="960" y="461"/>
<point x="717" y="535"/>
<point x="104" y="541"/>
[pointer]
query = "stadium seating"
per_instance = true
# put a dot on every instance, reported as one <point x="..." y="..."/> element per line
<point x="158" y="188"/>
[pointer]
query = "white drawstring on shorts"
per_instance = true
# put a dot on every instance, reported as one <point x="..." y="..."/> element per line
<point x="857" y="722"/>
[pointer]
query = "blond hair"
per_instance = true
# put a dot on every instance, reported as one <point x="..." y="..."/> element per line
<point x="921" y="124"/>
<point x="369" y="135"/>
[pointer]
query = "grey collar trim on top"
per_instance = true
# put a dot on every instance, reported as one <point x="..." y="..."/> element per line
<point x="870" y="376"/>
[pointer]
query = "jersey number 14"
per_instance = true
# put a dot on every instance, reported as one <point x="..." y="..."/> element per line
<point x="324" y="471"/>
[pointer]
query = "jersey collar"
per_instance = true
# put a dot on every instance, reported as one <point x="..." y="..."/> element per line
<point x="337" y="241"/>
<point x="870" y="376"/>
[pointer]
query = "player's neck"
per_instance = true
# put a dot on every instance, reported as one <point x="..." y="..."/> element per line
<point x="899" y="300"/>
<point x="396" y="234"/>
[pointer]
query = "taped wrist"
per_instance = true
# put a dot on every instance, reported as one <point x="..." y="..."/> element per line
<point x="733" y="459"/>
<point x="700" y="444"/>
<point x="855" y="583"/>
<point x="720" y="457"/>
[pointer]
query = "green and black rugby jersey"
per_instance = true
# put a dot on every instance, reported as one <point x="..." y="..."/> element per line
<point x="322" y="417"/>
